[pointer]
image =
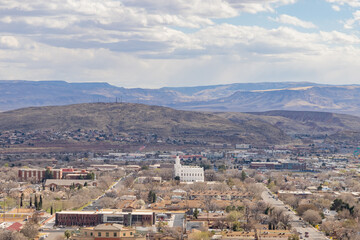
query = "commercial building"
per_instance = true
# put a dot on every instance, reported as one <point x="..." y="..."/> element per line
<point x="54" y="184"/>
<point x="103" y="167"/>
<point x="38" y="175"/>
<point x="278" y="166"/>
<point x="188" y="173"/>
<point x="106" y="231"/>
<point x="93" y="218"/>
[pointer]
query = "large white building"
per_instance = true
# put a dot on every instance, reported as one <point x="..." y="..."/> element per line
<point x="188" y="173"/>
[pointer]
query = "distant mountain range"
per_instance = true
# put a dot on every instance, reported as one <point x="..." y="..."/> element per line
<point x="239" y="97"/>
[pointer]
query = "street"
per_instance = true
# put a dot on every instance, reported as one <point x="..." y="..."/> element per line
<point x="300" y="225"/>
<point x="95" y="205"/>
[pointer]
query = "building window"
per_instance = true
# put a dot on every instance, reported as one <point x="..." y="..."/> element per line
<point x="130" y="233"/>
<point x="99" y="234"/>
<point x="115" y="234"/>
<point x="107" y="234"/>
<point x="124" y="234"/>
<point x="85" y="233"/>
<point x="91" y="234"/>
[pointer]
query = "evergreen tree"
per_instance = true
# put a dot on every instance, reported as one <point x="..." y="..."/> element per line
<point x="51" y="210"/>
<point x="40" y="203"/>
<point x="21" y="199"/>
<point x="30" y="203"/>
<point x="67" y="234"/>
<point x="48" y="174"/>
<point x="35" y="202"/>
<point x="243" y="175"/>
<point x="151" y="196"/>
<point x="196" y="213"/>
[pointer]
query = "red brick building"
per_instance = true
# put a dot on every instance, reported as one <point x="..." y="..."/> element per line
<point x="93" y="218"/>
<point x="37" y="175"/>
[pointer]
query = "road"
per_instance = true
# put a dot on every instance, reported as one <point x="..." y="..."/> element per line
<point x="56" y="233"/>
<point x="300" y="225"/>
<point x="95" y="205"/>
<point x="179" y="220"/>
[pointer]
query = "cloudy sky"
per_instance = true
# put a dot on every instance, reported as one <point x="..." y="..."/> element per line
<point x="155" y="43"/>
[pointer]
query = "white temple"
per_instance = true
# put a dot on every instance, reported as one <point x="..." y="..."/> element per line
<point x="188" y="173"/>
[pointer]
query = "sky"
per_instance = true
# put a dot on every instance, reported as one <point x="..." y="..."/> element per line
<point x="157" y="43"/>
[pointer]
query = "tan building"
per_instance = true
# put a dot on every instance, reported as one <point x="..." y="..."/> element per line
<point x="106" y="231"/>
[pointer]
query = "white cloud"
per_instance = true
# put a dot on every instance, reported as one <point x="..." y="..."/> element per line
<point x="351" y="3"/>
<point x="9" y="42"/>
<point x="291" y="20"/>
<point x="336" y="8"/>
<point x="152" y="43"/>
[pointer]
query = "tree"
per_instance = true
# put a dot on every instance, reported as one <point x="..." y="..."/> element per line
<point x="151" y="196"/>
<point x="48" y="174"/>
<point x="302" y="208"/>
<point x="90" y="176"/>
<point x="243" y="175"/>
<point x="35" y="202"/>
<point x="199" y="236"/>
<point x="294" y="237"/>
<point x="233" y="218"/>
<point x="21" y="199"/>
<point x="196" y="213"/>
<point x="312" y="216"/>
<point x="35" y="219"/>
<point x="67" y="234"/>
<point x="209" y="205"/>
<point x="338" y="205"/>
<point x="107" y="202"/>
<point x="9" y="235"/>
<point x="51" y="210"/>
<point x="236" y="226"/>
<point x="30" y="203"/>
<point x="177" y="178"/>
<point x="40" y="203"/>
<point x="30" y="230"/>
<point x="128" y="181"/>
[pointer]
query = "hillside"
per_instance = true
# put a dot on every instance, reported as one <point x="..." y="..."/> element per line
<point x="303" y="122"/>
<point x="141" y="119"/>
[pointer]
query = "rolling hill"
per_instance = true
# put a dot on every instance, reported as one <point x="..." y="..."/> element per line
<point x="129" y="118"/>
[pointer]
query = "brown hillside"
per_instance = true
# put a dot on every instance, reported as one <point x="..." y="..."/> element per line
<point x="143" y="119"/>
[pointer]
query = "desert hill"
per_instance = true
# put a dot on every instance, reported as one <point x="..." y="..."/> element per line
<point x="130" y="118"/>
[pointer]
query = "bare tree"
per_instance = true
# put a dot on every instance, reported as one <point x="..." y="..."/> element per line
<point x="128" y="182"/>
<point x="105" y="182"/>
<point x="9" y="235"/>
<point x="312" y="216"/>
<point x="107" y="202"/>
<point x="30" y="230"/>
